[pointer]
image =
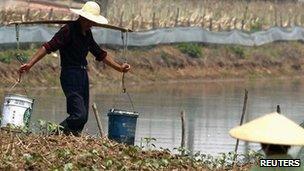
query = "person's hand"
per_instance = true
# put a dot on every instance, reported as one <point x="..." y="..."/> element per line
<point x="24" y="68"/>
<point x="125" y="67"/>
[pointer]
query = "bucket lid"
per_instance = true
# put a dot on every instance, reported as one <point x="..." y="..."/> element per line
<point x="122" y="112"/>
<point x="19" y="96"/>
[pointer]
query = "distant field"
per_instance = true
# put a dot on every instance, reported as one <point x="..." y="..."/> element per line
<point x="213" y="15"/>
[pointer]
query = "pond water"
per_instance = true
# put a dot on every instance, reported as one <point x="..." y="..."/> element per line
<point x="211" y="107"/>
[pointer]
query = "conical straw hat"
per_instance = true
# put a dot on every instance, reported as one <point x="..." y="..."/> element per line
<point x="91" y="11"/>
<point x="271" y="128"/>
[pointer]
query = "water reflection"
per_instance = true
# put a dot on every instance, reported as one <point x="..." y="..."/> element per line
<point x="212" y="108"/>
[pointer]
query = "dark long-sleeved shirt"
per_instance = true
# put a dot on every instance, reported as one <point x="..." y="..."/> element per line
<point x="74" y="46"/>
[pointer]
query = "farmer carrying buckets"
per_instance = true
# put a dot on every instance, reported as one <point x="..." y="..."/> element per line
<point x="276" y="133"/>
<point x="74" y="40"/>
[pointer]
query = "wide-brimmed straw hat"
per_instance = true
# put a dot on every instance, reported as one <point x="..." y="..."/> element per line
<point x="271" y="128"/>
<point x="91" y="11"/>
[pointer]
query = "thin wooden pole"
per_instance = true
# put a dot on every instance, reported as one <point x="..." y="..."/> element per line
<point x="176" y="18"/>
<point x="278" y="109"/>
<point x="27" y="16"/>
<point x="153" y="21"/>
<point x="50" y="16"/>
<point x="183" y="128"/>
<point x="189" y="21"/>
<point x="133" y="22"/>
<point x="235" y="23"/>
<point x="219" y="27"/>
<point x="2" y="16"/>
<point x="98" y="120"/>
<point x="121" y="19"/>
<point x="244" y="17"/>
<point x="281" y="20"/>
<point x="296" y="20"/>
<point x="275" y="14"/>
<point x="210" y="24"/>
<point x="289" y="21"/>
<point x="203" y="20"/>
<point x="105" y="7"/>
<point x="241" y="122"/>
<point x="70" y="4"/>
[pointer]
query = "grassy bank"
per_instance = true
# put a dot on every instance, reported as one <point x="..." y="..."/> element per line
<point x="49" y="152"/>
<point x="170" y="62"/>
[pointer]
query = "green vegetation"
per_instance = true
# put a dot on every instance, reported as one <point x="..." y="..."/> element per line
<point x="256" y="26"/>
<point x="9" y="55"/>
<point x="238" y="51"/>
<point x="191" y="49"/>
<point x="46" y="128"/>
<point x="166" y="58"/>
<point x="44" y="151"/>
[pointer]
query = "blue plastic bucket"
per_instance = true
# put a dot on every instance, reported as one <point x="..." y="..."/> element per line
<point x="122" y="126"/>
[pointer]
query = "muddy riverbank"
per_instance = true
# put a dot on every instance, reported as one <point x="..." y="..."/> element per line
<point x="169" y="63"/>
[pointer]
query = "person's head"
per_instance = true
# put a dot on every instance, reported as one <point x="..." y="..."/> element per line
<point x="85" y="23"/>
<point x="274" y="131"/>
<point x="272" y="149"/>
<point x="89" y="14"/>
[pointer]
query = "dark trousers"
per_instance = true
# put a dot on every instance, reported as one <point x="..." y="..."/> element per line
<point x="75" y="85"/>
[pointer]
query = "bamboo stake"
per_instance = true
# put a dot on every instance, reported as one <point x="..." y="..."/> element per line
<point x="153" y="21"/>
<point x="281" y="20"/>
<point x="105" y="4"/>
<point x="296" y="23"/>
<point x="241" y="122"/>
<point x="289" y="21"/>
<point x="176" y="18"/>
<point x="244" y="17"/>
<point x="275" y="14"/>
<point x="121" y="19"/>
<point x="189" y="19"/>
<point x="141" y="22"/>
<point x="203" y="20"/>
<point x="133" y="22"/>
<point x="98" y="120"/>
<point x="202" y="24"/>
<point x="183" y="128"/>
<point x="278" y="109"/>
<point x="27" y="15"/>
<point x="210" y="24"/>
<point x="219" y="27"/>
<point x="50" y="16"/>
<point x="235" y="23"/>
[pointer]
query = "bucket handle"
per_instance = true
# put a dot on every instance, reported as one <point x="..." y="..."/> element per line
<point x="17" y="28"/>
<point x="16" y="83"/>
<point x="124" y="53"/>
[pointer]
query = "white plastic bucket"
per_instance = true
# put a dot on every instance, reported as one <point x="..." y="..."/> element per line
<point x="17" y="110"/>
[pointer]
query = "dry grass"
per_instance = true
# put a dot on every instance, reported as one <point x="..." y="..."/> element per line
<point x="40" y="152"/>
<point x="210" y="14"/>
<point x="222" y="15"/>
<point x="20" y="151"/>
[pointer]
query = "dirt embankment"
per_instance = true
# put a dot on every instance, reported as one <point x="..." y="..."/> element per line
<point x="58" y="152"/>
<point x="173" y="62"/>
